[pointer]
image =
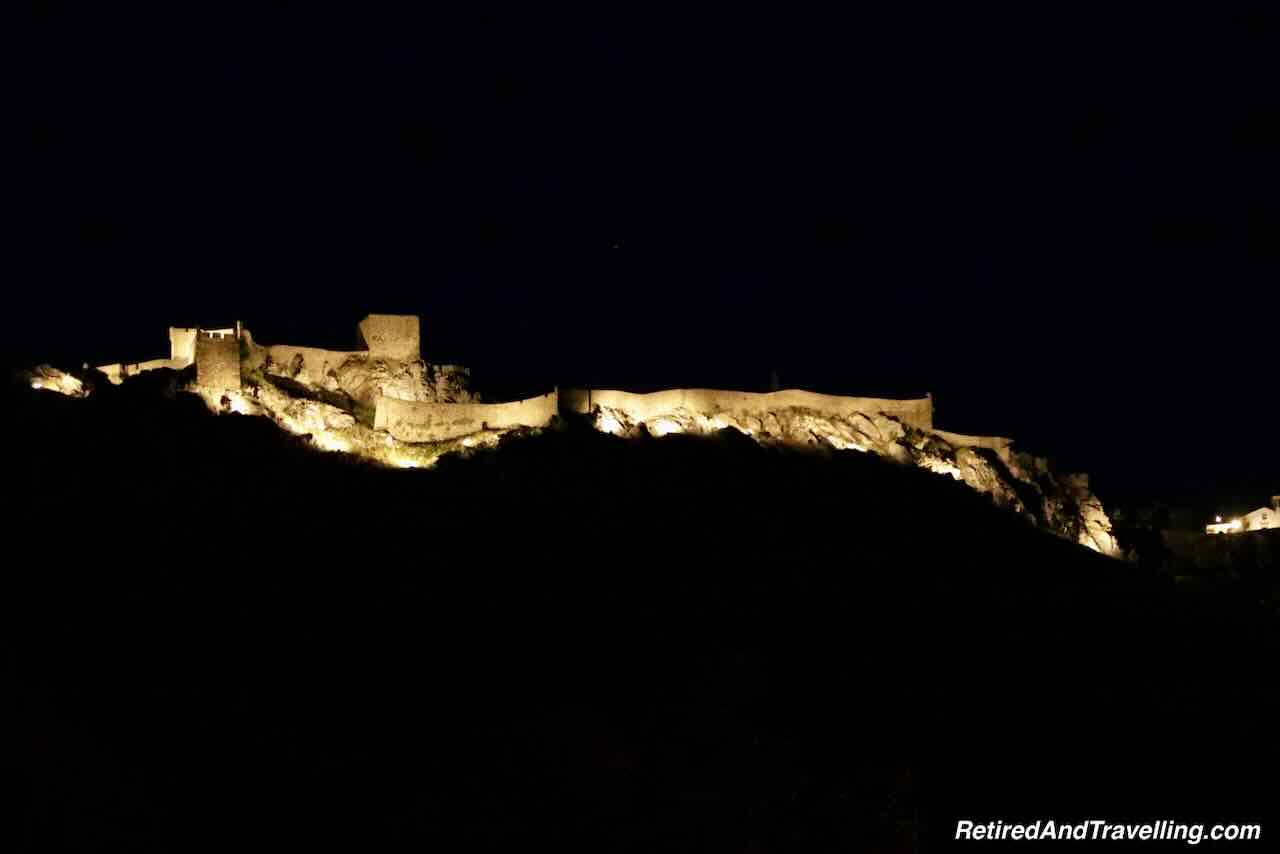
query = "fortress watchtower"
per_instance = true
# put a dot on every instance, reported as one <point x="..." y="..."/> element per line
<point x="392" y="336"/>
<point x="217" y="353"/>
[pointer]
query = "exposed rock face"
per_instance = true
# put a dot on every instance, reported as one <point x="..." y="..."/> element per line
<point x="49" y="378"/>
<point x="296" y="415"/>
<point x="366" y="379"/>
<point x="1083" y="510"/>
<point x="299" y="416"/>
<point x="980" y="472"/>
<point x="793" y="425"/>
<point x="451" y="384"/>
<point x="1062" y="504"/>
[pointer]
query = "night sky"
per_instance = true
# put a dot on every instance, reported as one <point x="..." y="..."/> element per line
<point x="1062" y="224"/>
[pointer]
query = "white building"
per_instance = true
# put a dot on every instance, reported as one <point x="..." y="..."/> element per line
<point x="1254" y="520"/>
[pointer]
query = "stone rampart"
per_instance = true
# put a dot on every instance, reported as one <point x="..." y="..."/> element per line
<point x="289" y="360"/>
<point x="916" y="412"/>
<point x="417" y="421"/>
<point x="118" y="371"/>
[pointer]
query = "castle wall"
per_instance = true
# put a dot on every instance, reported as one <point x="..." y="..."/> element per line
<point x="117" y="371"/>
<point x="392" y="336"/>
<point x="416" y="421"/>
<point x="218" y="362"/>
<point x="182" y="352"/>
<point x="1001" y="445"/>
<point x="316" y="362"/>
<point x="917" y="412"/>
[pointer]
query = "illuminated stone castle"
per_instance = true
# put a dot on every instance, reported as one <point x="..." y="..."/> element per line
<point x="385" y="404"/>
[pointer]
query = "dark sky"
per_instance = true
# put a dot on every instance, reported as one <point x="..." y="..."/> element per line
<point x="1063" y="224"/>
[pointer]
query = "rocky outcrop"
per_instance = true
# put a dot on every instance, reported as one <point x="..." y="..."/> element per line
<point x="1080" y="513"/>
<point x="365" y="380"/>
<point x="451" y="383"/>
<point x="49" y="378"/>
<point x="1025" y="485"/>
<point x="299" y="415"/>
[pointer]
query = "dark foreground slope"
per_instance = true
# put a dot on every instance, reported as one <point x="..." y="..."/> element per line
<point x="214" y="638"/>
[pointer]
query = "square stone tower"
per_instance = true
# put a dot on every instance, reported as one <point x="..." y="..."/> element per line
<point x="182" y="345"/>
<point x="392" y="336"/>
<point x="218" y="359"/>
